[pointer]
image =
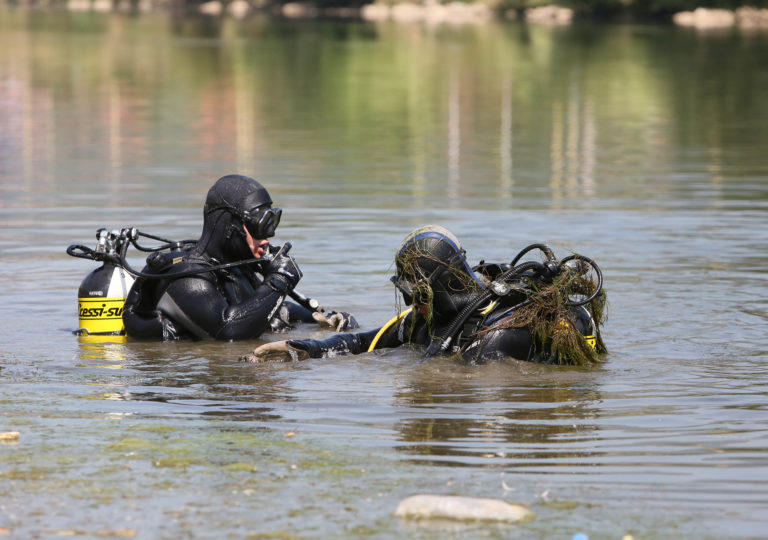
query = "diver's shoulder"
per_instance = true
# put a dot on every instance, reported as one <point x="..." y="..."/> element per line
<point x="175" y="262"/>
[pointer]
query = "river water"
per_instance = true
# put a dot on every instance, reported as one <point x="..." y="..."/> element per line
<point x="643" y="147"/>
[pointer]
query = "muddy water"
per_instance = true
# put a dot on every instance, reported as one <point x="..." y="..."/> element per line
<point x="637" y="146"/>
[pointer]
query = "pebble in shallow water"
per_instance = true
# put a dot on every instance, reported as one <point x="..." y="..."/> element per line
<point x="461" y="508"/>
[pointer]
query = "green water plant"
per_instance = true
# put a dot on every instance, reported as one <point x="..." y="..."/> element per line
<point x="546" y="315"/>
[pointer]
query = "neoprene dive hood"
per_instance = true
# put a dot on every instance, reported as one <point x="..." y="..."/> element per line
<point x="432" y="269"/>
<point x="233" y="201"/>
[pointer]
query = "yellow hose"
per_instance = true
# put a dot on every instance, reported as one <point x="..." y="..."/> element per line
<point x="384" y="328"/>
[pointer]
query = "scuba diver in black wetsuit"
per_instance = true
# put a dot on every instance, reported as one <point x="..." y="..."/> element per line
<point x="194" y="297"/>
<point x="547" y="312"/>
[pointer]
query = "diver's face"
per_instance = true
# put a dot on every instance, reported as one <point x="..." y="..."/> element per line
<point x="414" y="289"/>
<point x="257" y="245"/>
<point x="417" y="296"/>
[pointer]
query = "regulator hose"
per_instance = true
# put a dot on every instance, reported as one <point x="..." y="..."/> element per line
<point x="185" y="273"/>
<point x="499" y="287"/>
<point x="169" y="244"/>
<point x="598" y="272"/>
<point x="84" y="252"/>
<point x="309" y="303"/>
<point x="117" y="255"/>
<point x="543" y="247"/>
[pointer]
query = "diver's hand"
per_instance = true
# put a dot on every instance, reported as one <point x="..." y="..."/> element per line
<point x="276" y="351"/>
<point x="339" y="321"/>
<point x="282" y="273"/>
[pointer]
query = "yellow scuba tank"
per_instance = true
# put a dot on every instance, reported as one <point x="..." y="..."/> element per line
<point x="100" y="301"/>
<point x="102" y="293"/>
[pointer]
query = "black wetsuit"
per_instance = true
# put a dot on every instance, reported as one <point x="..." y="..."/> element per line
<point x="227" y="305"/>
<point x="474" y="344"/>
<point x="478" y="312"/>
<point x="230" y="304"/>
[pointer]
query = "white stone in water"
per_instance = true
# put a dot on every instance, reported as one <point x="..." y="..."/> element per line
<point x="461" y="508"/>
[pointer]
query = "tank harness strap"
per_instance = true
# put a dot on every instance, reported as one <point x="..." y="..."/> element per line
<point x="161" y="262"/>
<point x="473" y="324"/>
<point x="386" y="326"/>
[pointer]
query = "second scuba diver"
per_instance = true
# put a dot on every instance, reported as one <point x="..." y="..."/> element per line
<point x="548" y="312"/>
<point x="187" y="294"/>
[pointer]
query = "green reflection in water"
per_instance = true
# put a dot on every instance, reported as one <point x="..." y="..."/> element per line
<point x="495" y="111"/>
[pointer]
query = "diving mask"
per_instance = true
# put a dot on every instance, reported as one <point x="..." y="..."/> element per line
<point x="416" y="292"/>
<point x="262" y="221"/>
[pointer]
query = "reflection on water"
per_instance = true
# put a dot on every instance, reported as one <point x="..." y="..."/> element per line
<point x="532" y="113"/>
<point x="639" y="146"/>
<point x="466" y="419"/>
<point x="186" y="380"/>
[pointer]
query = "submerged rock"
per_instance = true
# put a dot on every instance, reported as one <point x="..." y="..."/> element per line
<point x="9" y="436"/>
<point x="461" y="508"/>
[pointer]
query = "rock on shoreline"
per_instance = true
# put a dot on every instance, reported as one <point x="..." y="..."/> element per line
<point x="744" y="17"/>
<point x="428" y="11"/>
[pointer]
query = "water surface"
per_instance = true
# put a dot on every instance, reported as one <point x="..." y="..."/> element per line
<point x="642" y="147"/>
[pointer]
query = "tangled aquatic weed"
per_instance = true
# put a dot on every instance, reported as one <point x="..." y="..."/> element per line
<point x="546" y="314"/>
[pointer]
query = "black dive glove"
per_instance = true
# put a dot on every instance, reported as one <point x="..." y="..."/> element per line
<point x="282" y="273"/>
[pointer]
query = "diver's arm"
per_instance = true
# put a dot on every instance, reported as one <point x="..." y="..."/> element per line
<point x="287" y="314"/>
<point x="387" y="337"/>
<point x="199" y="304"/>
<point x="302" y="349"/>
<point x="291" y="313"/>
<point x="393" y="334"/>
<point x="335" y="345"/>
